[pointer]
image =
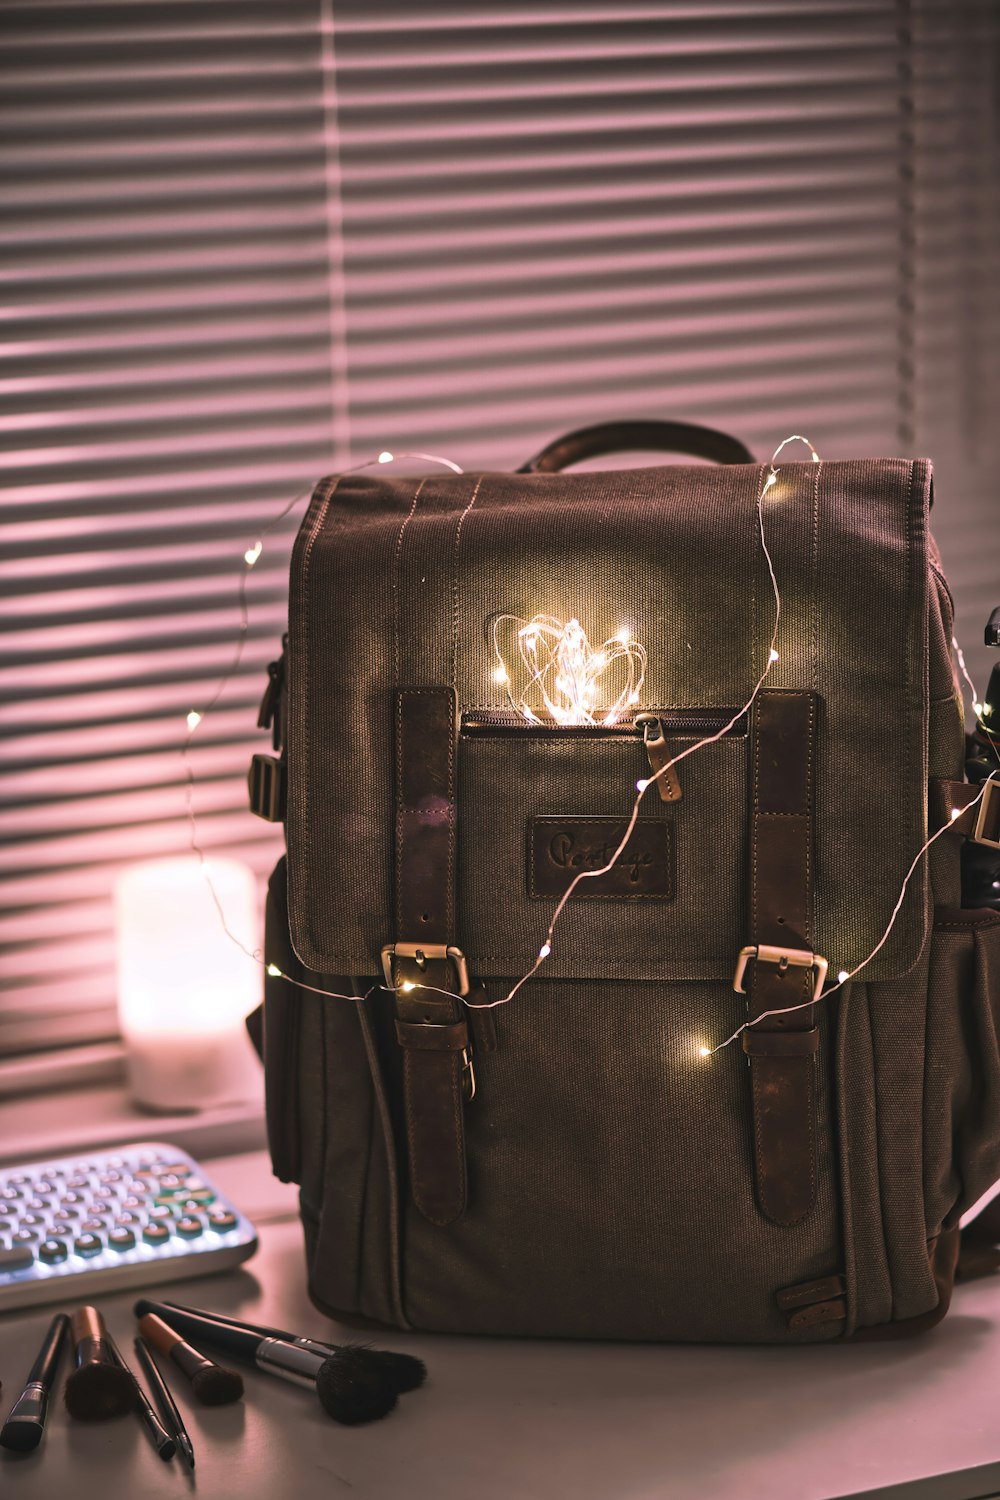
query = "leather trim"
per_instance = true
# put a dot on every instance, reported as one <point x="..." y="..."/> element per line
<point x="431" y="1026"/>
<point x="783" y="1072"/>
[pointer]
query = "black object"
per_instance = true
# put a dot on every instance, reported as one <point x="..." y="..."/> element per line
<point x="637" y="437"/>
<point x="161" y="1438"/>
<point x="172" y="1418"/>
<point x="981" y="861"/>
<point x="352" y="1384"/>
<point x="407" y="1371"/>
<point x="99" y="1388"/>
<point x="25" y="1424"/>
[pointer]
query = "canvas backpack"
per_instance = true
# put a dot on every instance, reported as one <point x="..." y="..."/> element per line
<point x="580" y="1160"/>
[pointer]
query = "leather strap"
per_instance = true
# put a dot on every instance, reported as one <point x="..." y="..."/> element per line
<point x="782" y="1049"/>
<point x="637" y="437"/>
<point x="430" y="1027"/>
<point x="948" y="807"/>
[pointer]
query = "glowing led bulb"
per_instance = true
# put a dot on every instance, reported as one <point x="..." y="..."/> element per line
<point x="500" y="675"/>
<point x="624" y="636"/>
<point x="772" y="655"/>
<point x="704" y="1051"/>
<point x="406" y="986"/>
<point x="843" y="976"/>
<point x="545" y="950"/>
<point x="385" y="457"/>
<point x="274" y="971"/>
<point x="956" y="812"/>
<point x="771" y="479"/>
<point x="641" y="785"/>
<point x="251" y="555"/>
<point x="978" y="707"/>
<point x="193" y="719"/>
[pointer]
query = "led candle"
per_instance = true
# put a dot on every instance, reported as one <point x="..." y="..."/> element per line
<point x="184" y="985"/>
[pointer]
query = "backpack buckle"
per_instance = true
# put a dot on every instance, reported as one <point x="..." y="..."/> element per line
<point x="784" y="959"/>
<point x="419" y="953"/>
<point x="986" y="817"/>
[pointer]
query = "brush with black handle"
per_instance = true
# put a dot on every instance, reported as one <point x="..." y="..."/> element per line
<point x="23" y="1428"/>
<point x="407" y="1371"/>
<point x="352" y="1385"/>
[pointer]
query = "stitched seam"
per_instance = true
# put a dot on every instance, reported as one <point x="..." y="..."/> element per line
<point x="303" y="746"/>
<point x="397" y="556"/>
<point x="456" y="575"/>
<point x="815" y="571"/>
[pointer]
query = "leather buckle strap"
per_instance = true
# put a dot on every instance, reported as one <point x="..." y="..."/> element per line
<point x="778" y="968"/>
<point x="429" y="975"/>
<point x="950" y="807"/>
<point x="783" y="957"/>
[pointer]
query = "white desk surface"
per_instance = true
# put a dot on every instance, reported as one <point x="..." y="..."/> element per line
<point x="518" y="1420"/>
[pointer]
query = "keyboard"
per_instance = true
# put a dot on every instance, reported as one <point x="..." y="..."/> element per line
<point x="135" y="1216"/>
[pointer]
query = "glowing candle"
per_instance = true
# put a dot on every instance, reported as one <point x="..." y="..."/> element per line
<point x="184" y="986"/>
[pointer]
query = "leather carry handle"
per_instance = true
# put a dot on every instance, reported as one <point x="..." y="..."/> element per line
<point x="636" y="437"/>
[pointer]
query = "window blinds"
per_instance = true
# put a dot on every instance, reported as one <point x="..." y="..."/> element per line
<point x="245" y="244"/>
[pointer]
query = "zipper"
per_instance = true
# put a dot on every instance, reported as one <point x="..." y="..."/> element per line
<point x="654" y="728"/>
<point x="694" y="722"/>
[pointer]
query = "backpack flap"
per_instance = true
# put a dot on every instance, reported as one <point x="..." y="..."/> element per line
<point x="396" y="585"/>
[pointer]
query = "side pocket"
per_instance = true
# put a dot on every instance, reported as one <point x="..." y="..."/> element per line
<point x="282" y="1021"/>
<point x="962" y="1063"/>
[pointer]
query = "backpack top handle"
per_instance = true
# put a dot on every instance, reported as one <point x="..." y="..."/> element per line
<point x="637" y="437"/>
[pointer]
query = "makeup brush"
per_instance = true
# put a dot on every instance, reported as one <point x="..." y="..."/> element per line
<point x="352" y="1385"/>
<point x="98" y="1388"/>
<point x="407" y="1371"/>
<point x="161" y="1438"/>
<point x="212" y="1384"/>
<point x="172" y="1418"/>
<point x="23" y="1428"/>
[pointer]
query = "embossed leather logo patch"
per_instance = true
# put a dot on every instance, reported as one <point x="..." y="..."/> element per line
<point x="559" y="849"/>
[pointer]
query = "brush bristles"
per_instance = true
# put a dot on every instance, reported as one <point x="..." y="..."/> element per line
<point x="405" y="1371"/>
<point x="354" y="1386"/>
<point x="97" y="1392"/>
<point x="21" y="1436"/>
<point x="216" y="1386"/>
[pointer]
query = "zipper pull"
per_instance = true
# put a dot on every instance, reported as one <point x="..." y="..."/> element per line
<point x="668" y="785"/>
<point x="269" y="714"/>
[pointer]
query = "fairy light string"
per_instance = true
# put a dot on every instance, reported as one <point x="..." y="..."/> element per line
<point x="195" y="716"/>
<point x="549" y="650"/>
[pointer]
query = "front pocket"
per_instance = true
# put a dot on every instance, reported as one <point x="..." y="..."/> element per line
<point x="540" y="804"/>
<point x="962" y="1063"/>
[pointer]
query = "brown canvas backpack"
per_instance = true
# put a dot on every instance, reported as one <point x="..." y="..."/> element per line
<point x="581" y="1161"/>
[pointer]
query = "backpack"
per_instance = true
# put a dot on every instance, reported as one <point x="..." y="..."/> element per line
<point x="583" y="1157"/>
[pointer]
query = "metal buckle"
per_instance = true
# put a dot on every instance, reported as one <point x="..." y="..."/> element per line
<point x="784" y="958"/>
<point x="420" y="953"/>
<point x="978" y="834"/>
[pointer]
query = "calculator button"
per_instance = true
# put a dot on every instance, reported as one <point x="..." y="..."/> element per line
<point x="34" y="1221"/>
<point x="199" y="1194"/>
<point x="155" y="1234"/>
<point x="24" y="1237"/>
<point x="9" y="1194"/>
<point x="37" y="1205"/>
<point x="108" y="1177"/>
<point x="121" y="1239"/>
<point x="161" y="1211"/>
<point x="189" y="1227"/>
<point x="88" y="1245"/>
<point x="124" y="1221"/>
<point x="65" y="1216"/>
<point x="170" y="1181"/>
<point x="19" y="1179"/>
<point x="73" y="1197"/>
<point x="221" y="1220"/>
<point x="93" y="1226"/>
<point x="18" y="1258"/>
<point x="52" y="1252"/>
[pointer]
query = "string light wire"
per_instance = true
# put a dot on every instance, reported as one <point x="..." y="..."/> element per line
<point x="195" y="717"/>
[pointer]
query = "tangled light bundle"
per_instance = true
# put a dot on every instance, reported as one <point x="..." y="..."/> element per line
<point x="561" y="677"/>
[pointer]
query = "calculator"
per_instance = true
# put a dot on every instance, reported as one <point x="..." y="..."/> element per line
<point x="104" y="1222"/>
